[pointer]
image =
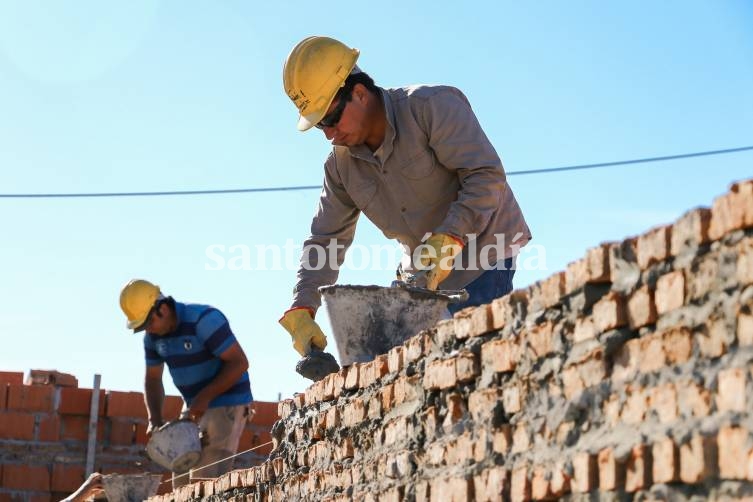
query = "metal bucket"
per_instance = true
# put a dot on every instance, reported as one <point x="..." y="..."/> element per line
<point x="370" y="320"/>
<point x="175" y="446"/>
<point x="130" y="487"/>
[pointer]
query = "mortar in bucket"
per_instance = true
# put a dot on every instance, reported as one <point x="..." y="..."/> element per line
<point x="368" y="321"/>
<point x="176" y="445"/>
<point x="130" y="487"/>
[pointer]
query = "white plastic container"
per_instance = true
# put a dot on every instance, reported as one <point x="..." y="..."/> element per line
<point x="175" y="446"/>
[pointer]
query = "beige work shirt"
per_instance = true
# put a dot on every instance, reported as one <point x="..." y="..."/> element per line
<point x="436" y="172"/>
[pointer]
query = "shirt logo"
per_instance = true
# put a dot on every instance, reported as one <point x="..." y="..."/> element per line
<point x="187" y="344"/>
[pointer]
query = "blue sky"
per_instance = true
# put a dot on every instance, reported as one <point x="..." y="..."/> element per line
<point x="168" y="95"/>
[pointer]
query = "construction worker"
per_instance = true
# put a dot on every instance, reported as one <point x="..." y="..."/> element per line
<point x="416" y="162"/>
<point x="207" y="365"/>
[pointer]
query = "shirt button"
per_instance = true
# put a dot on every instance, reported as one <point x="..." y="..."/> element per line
<point x="402" y="209"/>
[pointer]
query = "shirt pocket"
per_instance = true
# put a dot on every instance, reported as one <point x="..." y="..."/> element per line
<point x="420" y="165"/>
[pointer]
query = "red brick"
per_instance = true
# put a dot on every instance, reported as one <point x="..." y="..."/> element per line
<point x="483" y="403"/>
<point x="691" y="229"/>
<point x="576" y="275"/>
<point x="744" y="331"/>
<point x="14" y="425"/>
<point x="491" y="485"/>
<point x="416" y="347"/>
<point x="635" y="406"/>
<point x="663" y="401"/>
<point x="502" y="439"/>
<point x="67" y="478"/>
<point x="77" y="428"/>
<point x="641" y="309"/>
<point x="49" y="428"/>
<point x="500" y="355"/>
<point x="560" y="481"/>
<point x="395" y="359"/>
<point x="654" y="246"/>
<point x="387" y="394"/>
<point x="638" y="469"/>
<point x="594" y="268"/>
<point x="678" y="346"/>
<point x="455" y="410"/>
<point x="404" y="390"/>
<point x="125" y="404"/>
<point x="732" y="452"/>
<point x="693" y="399"/>
<point x="731" y="390"/>
<point x="473" y="321"/>
<point x="546" y="293"/>
<point x="508" y="307"/>
<point x="698" y="459"/>
<point x="713" y="338"/>
<point x="285" y="408"/>
<point x="352" y="376"/>
<point x="670" y="292"/>
<point x="31" y="397"/>
<point x="745" y="262"/>
<point x="541" y="339"/>
<point x="353" y="413"/>
<point x="609" y="312"/>
<point x="11" y="377"/>
<point x="584" y="329"/>
<point x="26" y="477"/>
<point x="122" y="432"/>
<point x="589" y="372"/>
<point x="540" y="485"/>
<point x="74" y="401"/>
<point x="585" y="473"/>
<point x="521" y="438"/>
<point x="459" y="489"/>
<point x="611" y="472"/>
<point x="440" y="374"/>
<point x="3" y="396"/>
<point x="520" y="486"/>
<point x="512" y="398"/>
<point x="704" y="278"/>
<point x="665" y="461"/>
<point x="466" y="366"/>
<point x="51" y="377"/>
<point x="732" y="211"/>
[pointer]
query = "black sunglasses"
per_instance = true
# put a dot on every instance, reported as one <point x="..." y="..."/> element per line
<point x="332" y="118"/>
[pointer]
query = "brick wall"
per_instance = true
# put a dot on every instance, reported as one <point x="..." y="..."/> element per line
<point x="624" y="376"/>
<point x="44" y="424"/>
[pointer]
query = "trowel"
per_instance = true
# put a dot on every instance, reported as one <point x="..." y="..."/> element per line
<point x="417" y="282"/>
<point x="316" y="365"/>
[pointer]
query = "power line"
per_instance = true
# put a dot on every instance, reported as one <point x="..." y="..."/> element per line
<point x="318" y="187"/>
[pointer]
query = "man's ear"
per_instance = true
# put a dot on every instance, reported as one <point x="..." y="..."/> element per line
<point x="360" y="92"/>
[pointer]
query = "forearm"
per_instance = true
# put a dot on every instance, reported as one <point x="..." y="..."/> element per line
<point x="154" y="396"/>
<point x="318" y="268"/>
<point x="228" y="375"/>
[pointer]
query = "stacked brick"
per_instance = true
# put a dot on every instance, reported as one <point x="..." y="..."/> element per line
<point x="44" y="431"/>
<point x="625" y="376"/>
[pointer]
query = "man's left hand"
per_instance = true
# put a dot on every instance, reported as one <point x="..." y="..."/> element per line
<point x="438" y="253"/>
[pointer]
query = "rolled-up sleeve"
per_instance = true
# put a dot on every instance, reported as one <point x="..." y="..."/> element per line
<point x="332" y="231"/>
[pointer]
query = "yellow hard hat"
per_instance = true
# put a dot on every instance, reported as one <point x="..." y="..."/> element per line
<point x="137" y="299"/>
<point x="314" y="71"/>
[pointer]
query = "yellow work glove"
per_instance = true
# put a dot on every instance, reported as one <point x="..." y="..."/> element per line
<point x="299" y="322"/>
<point x="437" y="255"/>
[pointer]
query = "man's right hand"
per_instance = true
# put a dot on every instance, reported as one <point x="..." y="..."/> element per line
<point x="153" y="426"/>
<point x="299" y="322"/>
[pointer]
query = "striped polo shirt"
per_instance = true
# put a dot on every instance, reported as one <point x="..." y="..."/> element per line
<point x="192" y="353"/>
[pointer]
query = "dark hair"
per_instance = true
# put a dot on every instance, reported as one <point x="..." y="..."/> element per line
<point x="357" y="78"/>
<point x="169" y="301"/>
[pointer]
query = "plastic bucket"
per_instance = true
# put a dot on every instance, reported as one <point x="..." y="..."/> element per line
<point x="175" y="446"/>
<point x="130" y="487"/>
<point x="368" y="321"/>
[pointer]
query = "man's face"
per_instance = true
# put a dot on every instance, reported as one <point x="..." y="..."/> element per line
<point x="159" y="321"/>
<point x="350" y="129"/>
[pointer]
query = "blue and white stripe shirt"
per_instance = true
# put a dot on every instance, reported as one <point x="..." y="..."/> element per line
<point x="192" y="353"/>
